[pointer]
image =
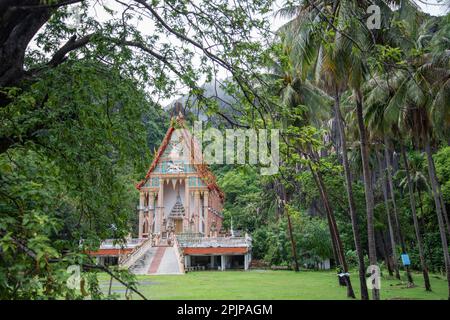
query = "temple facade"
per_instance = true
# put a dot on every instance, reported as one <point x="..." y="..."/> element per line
<point x="180" y="216"/>
<point x="179" y="193"/>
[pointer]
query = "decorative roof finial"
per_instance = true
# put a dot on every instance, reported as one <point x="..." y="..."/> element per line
<point x="178" y="110"/>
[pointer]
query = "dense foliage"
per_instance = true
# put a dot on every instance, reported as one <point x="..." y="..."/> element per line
<point x="364" y="171"/>
<point x="364" y="109"/>
<point x="80" y="90"/>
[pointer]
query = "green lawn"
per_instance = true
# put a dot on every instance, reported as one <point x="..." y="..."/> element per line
<point x="262" y="284"/>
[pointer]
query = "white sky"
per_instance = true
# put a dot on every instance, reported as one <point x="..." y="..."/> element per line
<point x="432" y="7"/>
<point x="146" y="26"/>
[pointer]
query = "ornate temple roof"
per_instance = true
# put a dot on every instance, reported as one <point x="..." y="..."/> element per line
<point x="195" y="155"/>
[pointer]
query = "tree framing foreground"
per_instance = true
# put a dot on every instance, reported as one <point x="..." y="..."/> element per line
<point x="189" y="40"/>
<point x="74" y="104"/>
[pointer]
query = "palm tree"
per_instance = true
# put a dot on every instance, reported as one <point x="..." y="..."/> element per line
<point x="384" y="88"/>
<point x="297" y="93"/>
<point x="419" y="178"/>
<point x="383" y="182"/>
<point x="367" y="183"/>
<point x="351" y="47"/>
<point x="421" y="98"/>
<point x="394" y="207"/>
<point x="378" y="99"/>
<point x="353" y="44"/>
<point x="333" y="229"/>
<point x="377" y="89"/>
<point x="310" y="56"/>
<point x="283" y="194"/>
<point x="357" y="75"/>
<point x="416" y="222"/>
<point x="350" y="198"/>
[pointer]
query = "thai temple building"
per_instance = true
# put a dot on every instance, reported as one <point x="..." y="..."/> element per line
<point x="180" y="214"/>
<point x="179" y="194"/>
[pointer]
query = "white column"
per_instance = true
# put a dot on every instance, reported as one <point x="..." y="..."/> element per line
<point x="160" y="209"/>
<point x="141" y="213"/>
<point x="205" y="213"/>
<point x="246" y="261"/>
<point x="212" y="262"/>
<point x="186" y="205"/>
<point x="222" y="260"/>
<point x="196" y="211"/>
<point x="151" y="211"/>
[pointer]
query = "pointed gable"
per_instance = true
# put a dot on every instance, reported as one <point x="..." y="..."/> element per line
<point x="189" y="150"/>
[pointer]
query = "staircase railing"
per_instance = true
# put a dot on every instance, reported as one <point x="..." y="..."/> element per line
<point x="129" y="259"/>
<point x="196" y="241"/>
<point x="178" y="254"/>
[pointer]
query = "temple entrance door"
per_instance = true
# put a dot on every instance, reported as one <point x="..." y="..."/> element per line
<point x="145" y="229"/>
<point x="178" y="226"/>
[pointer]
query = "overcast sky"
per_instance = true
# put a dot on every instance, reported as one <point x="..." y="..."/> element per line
<point x="432" y="7"/>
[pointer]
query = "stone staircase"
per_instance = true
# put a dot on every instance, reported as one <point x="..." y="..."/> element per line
<point x="136" y="254"/>
<point x="156" y="261"/>
<point x="142" y="264"/>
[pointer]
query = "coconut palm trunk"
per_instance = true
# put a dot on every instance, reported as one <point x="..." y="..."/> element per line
<point x="291" y="233"/>
<point x="334" y="232"/>
<point x="351" y="200"/>
<point x="420" y="206"/>
<point x="284" y="198"/>
<point x="293" y="244"/>
<point x="367" y="187"/>
<point x="385" y="253"/>
<point x="444" y="210"/>
<point x="437" y="202"/>
<point x="412" y="202"/>
<point x="389" y="217"/>
<point x="394" y="208"/>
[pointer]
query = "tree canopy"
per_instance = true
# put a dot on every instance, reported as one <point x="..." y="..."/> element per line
<point x="363" y="113"/>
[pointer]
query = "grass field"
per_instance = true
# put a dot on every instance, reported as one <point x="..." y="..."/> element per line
<point x="265" y="284"/>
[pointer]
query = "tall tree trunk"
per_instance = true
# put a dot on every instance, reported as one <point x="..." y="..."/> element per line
<point x="20" y="21"/>
<point x="291" y="234"/>
<point x="412" y="202"/>
<point x="17" y="29"/>
<point x="284" y="198"/>
<point x="394" y="207"/>
<point x="334" y="232"/>
<point x="444" y="210"/>
<point x="293" y="245"/>
<point x="351" y="200"/>
<point x="386" y="254"/>
<point x="384" y="183"/>
<point x="437" y="202"/>
<point x="422" y="220"/>
<point x="367" y="187"/>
